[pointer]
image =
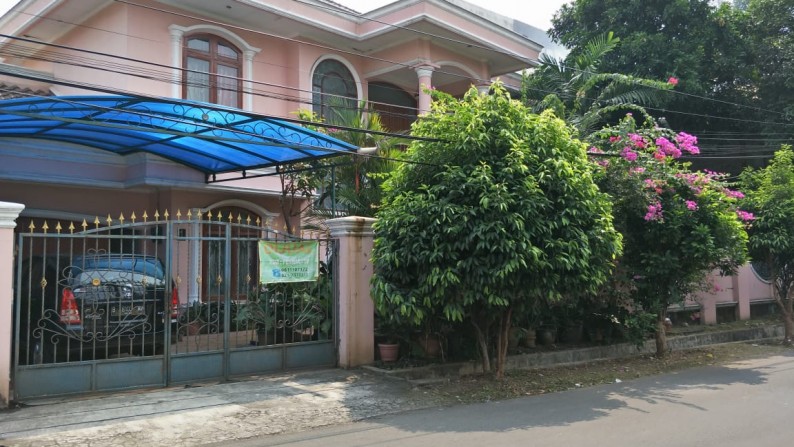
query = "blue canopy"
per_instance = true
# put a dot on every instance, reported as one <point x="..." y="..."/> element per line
<point x="207" y="137"/>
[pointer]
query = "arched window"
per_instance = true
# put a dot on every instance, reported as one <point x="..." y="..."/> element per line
<point x="333" y="86"/>
<point x="214" y="68"/>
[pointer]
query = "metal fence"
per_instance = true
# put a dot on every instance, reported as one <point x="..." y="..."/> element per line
<point x="153" y="301"/>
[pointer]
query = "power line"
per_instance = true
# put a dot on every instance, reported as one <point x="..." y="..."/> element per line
<point x="536" y="61"/>
<point x="96" y="64"/>
<point x="439" y="71"/>
<point x="167" y="78"/>
<point x="259" y="62"/>
<point x="289" y="39"/>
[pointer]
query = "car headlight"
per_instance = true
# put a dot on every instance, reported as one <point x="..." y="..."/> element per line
<point x="126" y="291"/>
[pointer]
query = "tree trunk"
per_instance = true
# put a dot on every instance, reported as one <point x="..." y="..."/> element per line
<point x="785" y="303"/>
<point x="788" y="321"/>
<point x="788" y="324"/>
<point x="661" y="335"/>
<point x="502" y="342"/>
<point x="482" y="342"/>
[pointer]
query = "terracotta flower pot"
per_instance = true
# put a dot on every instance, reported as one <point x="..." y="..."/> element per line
<point x="389" y="352"/>
<point x="430" y="344"/>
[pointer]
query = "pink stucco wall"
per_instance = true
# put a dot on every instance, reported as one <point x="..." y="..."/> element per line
<point x="739" y="290"/>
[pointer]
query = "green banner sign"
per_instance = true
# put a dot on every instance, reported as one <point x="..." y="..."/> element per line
<point x="288" y="261"/>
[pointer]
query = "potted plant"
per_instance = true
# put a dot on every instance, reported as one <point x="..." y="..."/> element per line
<point x="388" y="333"/>
<point x="287" y="313"/>
<point x="430" y="339"/>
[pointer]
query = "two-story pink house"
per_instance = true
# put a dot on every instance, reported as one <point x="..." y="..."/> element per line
<point x="109" y="123"/>
<point x="267" y="58"/>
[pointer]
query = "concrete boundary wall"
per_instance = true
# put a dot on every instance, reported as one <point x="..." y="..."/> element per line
<point x="584" y="355"/>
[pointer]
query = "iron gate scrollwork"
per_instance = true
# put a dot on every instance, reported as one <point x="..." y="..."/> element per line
<point x="162" y="301"/>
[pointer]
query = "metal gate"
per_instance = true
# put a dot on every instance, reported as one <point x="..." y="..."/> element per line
<point x="152" y="301"/>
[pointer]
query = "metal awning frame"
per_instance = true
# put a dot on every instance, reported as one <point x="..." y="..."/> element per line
<point x="206" y="137"/>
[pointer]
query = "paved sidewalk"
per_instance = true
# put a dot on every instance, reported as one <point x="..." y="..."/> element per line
<point x="199" y="415"/>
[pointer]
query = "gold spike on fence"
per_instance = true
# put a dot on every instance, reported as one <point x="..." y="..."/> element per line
<point x="132" y="219"/>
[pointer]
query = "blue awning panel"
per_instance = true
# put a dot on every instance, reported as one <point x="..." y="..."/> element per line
<point x="210" y="138"/>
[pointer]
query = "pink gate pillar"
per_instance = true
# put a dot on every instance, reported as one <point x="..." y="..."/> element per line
<point x="356" y="310"/>
<point x="8" y="215"/>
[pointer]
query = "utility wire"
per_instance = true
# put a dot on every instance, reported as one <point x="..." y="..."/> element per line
<point x="427" y="34"/>
<point x="102" y="65"/>
<point x="534" y="61"/>
<point x="170" y="79"/>
<point x="406" y="65"/>
<point x="259" y="62"/>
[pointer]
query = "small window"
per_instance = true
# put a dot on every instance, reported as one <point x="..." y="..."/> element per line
<point x="213" y="70"/>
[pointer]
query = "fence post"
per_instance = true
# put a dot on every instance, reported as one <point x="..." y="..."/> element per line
<point x="356" y="315"/>
<point x="8" y="215"/>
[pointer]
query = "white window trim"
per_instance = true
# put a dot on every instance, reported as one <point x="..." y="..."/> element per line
<point x="249" y="51"/>
<point x="347" y="64"/>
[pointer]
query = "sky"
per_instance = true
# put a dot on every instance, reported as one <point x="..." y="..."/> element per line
<point x="534" y="12"/>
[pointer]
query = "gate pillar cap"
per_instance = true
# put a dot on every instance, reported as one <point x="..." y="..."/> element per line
<point x="351" y="226"/>
<point x="9" y="212"/>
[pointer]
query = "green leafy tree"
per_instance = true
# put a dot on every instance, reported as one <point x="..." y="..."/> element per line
<point x="770" y="197"/>
<point x="770" y="30"/>
<point x="678" y="226"/>
<point x="578" y="91"/>
<point x="719" y="53"/>
<point x="497" y="213"/>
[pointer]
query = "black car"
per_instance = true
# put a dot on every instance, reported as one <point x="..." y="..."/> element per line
<point x="105" y="305"/>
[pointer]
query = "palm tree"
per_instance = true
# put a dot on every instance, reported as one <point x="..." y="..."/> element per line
<point x="577" y="92"/>
<point x="352" y="184"/>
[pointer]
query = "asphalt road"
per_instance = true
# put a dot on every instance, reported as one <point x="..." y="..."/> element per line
<point x="744" y="404"/>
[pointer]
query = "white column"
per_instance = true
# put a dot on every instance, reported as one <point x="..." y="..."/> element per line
<point x="194" y="263"/>
<point x="8" y="216"/>
<point x="176" y="61"/>
<point x="425" y="74"/>
<point x="354" y="271"/>
<point x="248" y="74"/>
<point x="484" y="87"/>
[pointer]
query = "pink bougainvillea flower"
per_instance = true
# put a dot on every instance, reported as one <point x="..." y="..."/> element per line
<point x="637" y="170"/>
<point x="666" y="147"/>
<point x="672" y="81"/>
<point x="659" y="155"/>
<point x="654" y="212"/>
<point x="691" y="205"/>
<point x="595" y="150"/>
<point x="687" y="142"/>
<point x="614" y="139"/>
<point x="744" y="215"/>
<point x="637" y="140"/>
<point x="628" y="154"/>
<point x="734" y="194"/>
